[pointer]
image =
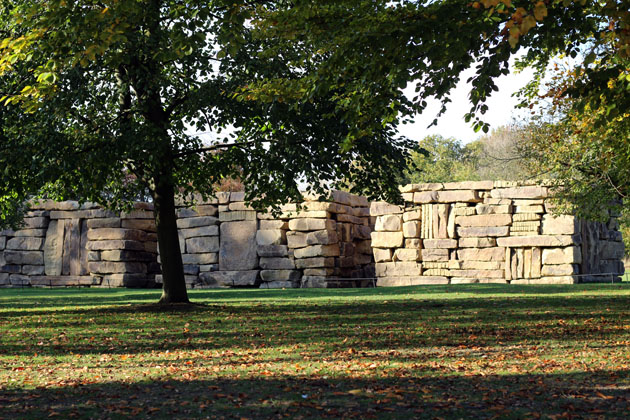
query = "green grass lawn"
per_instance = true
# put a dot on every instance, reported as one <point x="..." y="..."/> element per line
<point x="461" y="351"/>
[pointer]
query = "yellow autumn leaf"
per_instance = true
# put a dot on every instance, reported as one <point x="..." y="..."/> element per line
<point x="528" y="23"/>
<point x="540" y="11"/>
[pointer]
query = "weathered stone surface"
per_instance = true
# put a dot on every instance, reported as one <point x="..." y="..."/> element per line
<point x="401" y="268"/>
<point x="105" y="267"/>
<point x="425" y="197"/>
<point x="411" y="229"/>
<point x="484" y="220"/>
<point x="272" y="250"/>
<point x="115" y="244"/>
<point x="25" y="244"/>
<point x="280" y="275"/>
<point x="493" y="209"/>
<point x="475" y="265"/>
<point x="193" y="222"/>
<point x="520" y="192"/>
<point x="235" y="216"/>
<point x="270" y="263"/>
<point x="312" y="224"/>
<point x="410" y="215"/>
<point x="237" y="196"/>
<point x="559" y="270"/>
<point x="240" y="206"/>
<point x="568" y="255"/>
<point x="440" y="243"/>
<point x="230" y="278"/>
<point x="296" y="239"/>
<point x="116" y="234"/>
<point x="548" y="280"/>
<point x="539" y="241"/>
<point x="24" y="257"/>
<point x="559" y="225"/>
<point x="475" y="232"/>
<point x="199" y="232"/>
<point x="362" y="232"/>
<point x="433" y="186"/>
<point x="611" y="250"/>
<point x="404" y="254"/>
<point x="319" y="271"/>
<point x="320" y="262"/>
<point x="278" y="284"/>
<point x="382" y="255"/>
<point x="435" y="254"/>
<point x="478" y="274"/>
<point x="470" y="196"/>
<point x="201" y="259"/>
<point x="107" y="222"/>
<point x="388" y="223"/>
<point x="274" y="224"/>
<point x="238" y="246"/>
<point x="35" y="233"/>
<point x="387" y="239"/>
<point x="36" y="223"/>
<point x="33" y="270"/>
<point x="462" y="280"/>
<point x="536" y="209"/>
<point x="526" y="217"/>
<point x="322" y="237"/>
<point x="318" y="251"/>
<point x="271" y="237"/>
<point x="481" y="254"/>
<point x="477" y="242"/>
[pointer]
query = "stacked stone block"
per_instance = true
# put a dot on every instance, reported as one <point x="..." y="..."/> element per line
<point x="489" y="232"/>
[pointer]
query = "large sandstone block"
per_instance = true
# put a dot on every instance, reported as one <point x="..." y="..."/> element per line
<point x="387" y="239"/>
<point x="476" y="265"/>
<point x="271" y="237"/>
<point x="400" y="268"/>
<point x="469" y="185"/>
<point x="25" y="244"/>
<point x="526" y="217"/>
<point x="536" y="209"/>
<point x="199" y="232"/>
<point x="282" y="263"/>
<point x="318" y="251"/>
<point x="238" y="246"/>
<point x="610" y="250"/>
<point x="24" y="257"/>
<point x="320" y="262"/>
<point x="382" y="255"/>
<point x="549" y="280"/>
<point x="435" y="254"/>
<point x="312" y="224"/>
<point x="202" y="245"/>
<point x="237" y="216"/>
<point x="477" y="242"/>
<point x="559" y="225"/>
<point x="481" y="254"/>
<point x="36" y="222"/>
<point x="474" y="232"/>
<point x="280" y="275"/>
<point x="379" y="208"/>
<point x="116" y="234"/>
<point x="410" y="215"/>
<point x="319" y="271"/>
<point x="478" y="274"/>
<point x="411" y="229"/>
<point x="115" y="244"/>
<point x="568" y="255"/>
<point x="362" y="232"/>
<point x="274" y="224"/>
<point x="559" y="270"/>
<point x="193" y="222"/>
<point x="388" y="223"/>
<point x="38" y="233"/>
<point x="123" y="255"/>
<point x="440" y="243"/>
<point x="107" y="222"/>
<point x="454" y="196"/>
<point x="493" y="209"/>
<point x="393" y="281"/>
<point x="141" y="224"/>
<point x="539" y="241"/>
<point x="33" y="270"/>
<point x="106" y="267"/>
<point x="296" y="239"/>
<point x="520" y="192"/>
<point x="425" y="197"/>
<point x="273" y="250"/>
<point x="230" y="278"/>
<point x="201" y="259"/>
<point x="404" y="254"/>
<point x="484" y="220"/>
<point x="322" y="237"/>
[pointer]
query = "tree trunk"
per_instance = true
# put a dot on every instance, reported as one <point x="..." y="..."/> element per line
<point x="174" y="290"/>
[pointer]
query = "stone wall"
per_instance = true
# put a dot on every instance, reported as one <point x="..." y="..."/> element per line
<point x="489" y="232"/>
<point x="469" y="232"/>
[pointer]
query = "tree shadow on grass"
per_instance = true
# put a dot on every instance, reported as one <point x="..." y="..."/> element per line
<point x="596" y="394"/>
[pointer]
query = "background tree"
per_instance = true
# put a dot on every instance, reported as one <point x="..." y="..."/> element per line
<point x="93" y="91"/>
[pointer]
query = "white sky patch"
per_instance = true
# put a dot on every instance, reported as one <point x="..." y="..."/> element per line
<point x="501" y="109"/>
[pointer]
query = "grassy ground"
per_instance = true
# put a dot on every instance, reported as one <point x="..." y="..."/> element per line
<point x="464" y="351"/>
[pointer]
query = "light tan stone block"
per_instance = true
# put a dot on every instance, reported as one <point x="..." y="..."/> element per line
<point x="568" y="255"/>
<point x="454" y="196"/>
<point x="413" y="243"/>
<point x="379" y="208"/>
<point x="271" y="237"/>
<point x="485" y="220"/>
<point x="405" y="254"/>
<point x="520" y="192"/>
<point x="425" y="197"/>
<point x="388" y="223"/>
<point x="312" y="224"/>
<point x="474" y="232"/>
<point x="322" y="237"/>
<point x="319" y="262"/>
<point x="478" y="274"/>
<point x="469" y="185"/>
<point x="401" y="268"/>
<point x="313" y="251"/>
<point x="526" y="217"/>
<point x="296" y="239"/>
<point x="538" y="241"/>
<point x="559" y="225"/>
<point x="25" y="244"/>
<point x="491" y="209"/>
<point x="387" y="239"/>
<point x="477" y="242"/>
<point x="412" y="215"/>
<point x="529" y="209"/>
<point x="435" y="254"/>
<point x="440" y="243"/>
<point x="411" y="229"/>
<point x="481" y="254"/>
<point x="202" y="245"/>
<point x="273" y="224"/>
<point x="464" y="211"/>
<point x="559" y="270"/>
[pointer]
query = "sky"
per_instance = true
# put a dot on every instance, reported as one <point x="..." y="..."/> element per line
<point x="501" y="109"/>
